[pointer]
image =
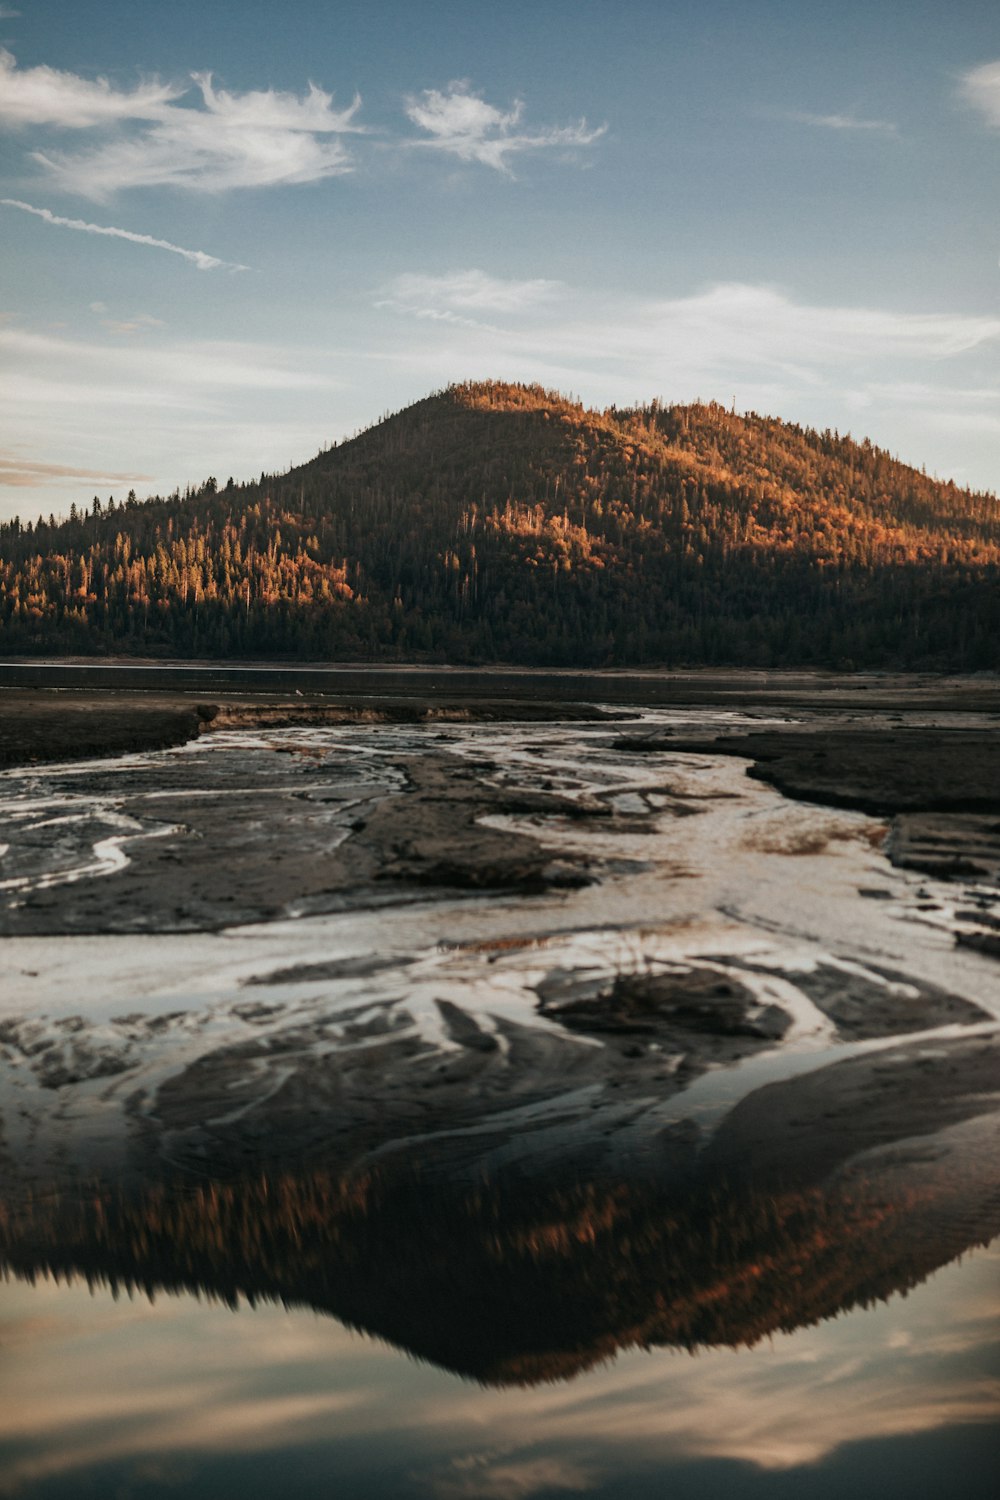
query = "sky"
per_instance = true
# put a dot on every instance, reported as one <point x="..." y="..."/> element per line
<point x="234" y="233"/>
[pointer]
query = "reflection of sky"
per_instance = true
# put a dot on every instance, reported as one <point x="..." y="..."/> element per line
<point x="137" y="1399"/>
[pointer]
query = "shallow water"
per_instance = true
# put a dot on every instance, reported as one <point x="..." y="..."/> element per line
<point x="604" y="1258"/>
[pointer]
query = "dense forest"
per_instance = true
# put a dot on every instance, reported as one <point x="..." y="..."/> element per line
<point x="496" y="522"/>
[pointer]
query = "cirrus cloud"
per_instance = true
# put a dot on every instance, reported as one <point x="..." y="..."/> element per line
<point x="46" y="96"/>
<point x="462" y="123"/>
<point x="261" y="138"/>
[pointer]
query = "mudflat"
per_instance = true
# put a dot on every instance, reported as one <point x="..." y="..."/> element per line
<point x="402" y="1004"/>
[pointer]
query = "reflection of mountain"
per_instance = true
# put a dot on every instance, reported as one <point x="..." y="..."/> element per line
<point x="538" y="1273"/>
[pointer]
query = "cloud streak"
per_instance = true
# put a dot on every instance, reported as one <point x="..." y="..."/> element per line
<point x="462" y="123"/>
<point x="199" y="258"/>
<point x="186" y="369"/>
<point x="25" y="474"/>
<point x="844" y="122"/>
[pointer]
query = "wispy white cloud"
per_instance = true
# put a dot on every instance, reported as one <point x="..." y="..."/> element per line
<point x="46" y="96"/>
<point x="458" y="295"/>
<point x="256" y="139"/>
<point x="203" y="261"/>
<point x="980" y="87"/>
<point x="711" y="333"/>
<point x="268" y="109"/>
<point x="156" y="134"/>
<point x="847" y="121"/>
<point x="462" y="123"/>
<point x="8" y="13"/>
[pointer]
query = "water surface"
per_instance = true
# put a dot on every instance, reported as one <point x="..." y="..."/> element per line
<point x="668" y="1161"/>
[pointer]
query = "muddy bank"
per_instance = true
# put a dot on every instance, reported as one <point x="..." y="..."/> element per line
<point x="861" y="692"/>
<point x="38" y="727"/>
<point x="52" y="711"/>
<point x="46" y="725"/>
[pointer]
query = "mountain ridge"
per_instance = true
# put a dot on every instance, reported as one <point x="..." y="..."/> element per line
<point x="501" y="522"/>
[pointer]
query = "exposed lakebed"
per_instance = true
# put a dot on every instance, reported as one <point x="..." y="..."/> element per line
<point x="520" y="1048"/>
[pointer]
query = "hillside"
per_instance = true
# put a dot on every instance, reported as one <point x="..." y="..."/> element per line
<point x="497" y="522"/>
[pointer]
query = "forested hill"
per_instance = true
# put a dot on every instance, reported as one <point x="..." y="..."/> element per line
<point x="496" y="522"/>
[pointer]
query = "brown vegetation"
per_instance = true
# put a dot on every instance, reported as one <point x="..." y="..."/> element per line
<point x="503" y="522"/>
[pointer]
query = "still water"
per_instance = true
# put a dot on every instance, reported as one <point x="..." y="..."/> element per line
<point x="124" y="1397"/>
<point x="672" y="1169"/>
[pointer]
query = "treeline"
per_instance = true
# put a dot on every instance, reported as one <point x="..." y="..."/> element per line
<point x="497" y="522"/>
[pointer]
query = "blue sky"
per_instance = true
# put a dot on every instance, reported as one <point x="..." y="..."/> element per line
<point x="793" y="205"/>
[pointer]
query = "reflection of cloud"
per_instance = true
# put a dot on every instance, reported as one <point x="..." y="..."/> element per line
<point x="267" y="1380"/>
<point x="150" y="1399"/>
<point x="485" y="1476"/>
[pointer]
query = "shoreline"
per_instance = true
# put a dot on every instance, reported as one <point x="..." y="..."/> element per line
<point x="847" y="742"/>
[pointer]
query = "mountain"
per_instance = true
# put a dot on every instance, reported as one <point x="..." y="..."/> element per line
<point x="497" y="522"/>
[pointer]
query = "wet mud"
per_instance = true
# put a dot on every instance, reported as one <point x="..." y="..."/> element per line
<point x="939" y="783"/>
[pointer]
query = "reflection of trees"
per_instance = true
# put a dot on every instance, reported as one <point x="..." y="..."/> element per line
<point x="517" y="1280"/>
